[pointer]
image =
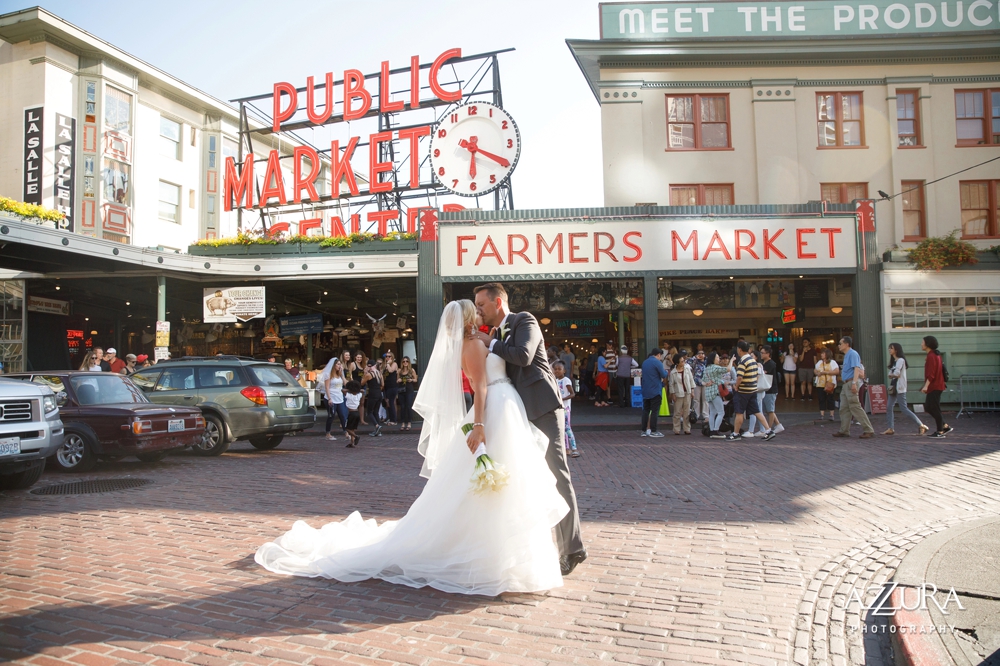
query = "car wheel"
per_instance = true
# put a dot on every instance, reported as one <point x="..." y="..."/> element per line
<point x="266" y="442"/>
<point x="156" y="456"/>
<point x="76" y="453"/>
<point x="213" y="442"/>
<point x="23" y="479"/>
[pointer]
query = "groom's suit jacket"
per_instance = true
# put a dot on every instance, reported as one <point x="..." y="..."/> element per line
<point x="527" y="365"/>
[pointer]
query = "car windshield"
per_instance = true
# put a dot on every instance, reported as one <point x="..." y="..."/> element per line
<point x="52" y="381"/>
<point x="105" y="389"/>
<point x="272" y="376"/>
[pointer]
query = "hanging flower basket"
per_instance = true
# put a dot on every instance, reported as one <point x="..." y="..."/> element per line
<point x="942" y="252"/>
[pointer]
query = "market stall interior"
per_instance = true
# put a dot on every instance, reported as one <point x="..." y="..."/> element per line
<point x="305" y="320"/>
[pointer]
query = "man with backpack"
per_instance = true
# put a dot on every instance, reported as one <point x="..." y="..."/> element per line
<point x="852" y="374"/>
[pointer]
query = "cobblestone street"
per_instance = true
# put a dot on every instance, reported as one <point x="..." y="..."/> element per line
<point x="701" y="551"/>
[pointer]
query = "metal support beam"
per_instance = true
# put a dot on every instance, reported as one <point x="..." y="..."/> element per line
<point x="161" y="298"/>
<point x="866" y="305"/>
<point x="430" y="301"/>
<point x="651" y="315"/>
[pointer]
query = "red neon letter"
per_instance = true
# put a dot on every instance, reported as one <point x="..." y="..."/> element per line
<point x="383" y="217"/>
<point x="278" y="228"/>
<point x="414" y="82"/>
<point x="354" y="88"/>
<point x="573" y="248"/>
<point x="461" y="250"/>
<point x="540" y="243"/>
<point x="374" y="166"/>
<point x="307" y="182"/>
<point x="341" y="168"/>
<point x="384" y="105"/>
<point x="632" y="246"/>
<point x="692" y="241"/>
<point x="511" y="251"/>
<point x="319" y="118"/>
<point x="711" y="247"/>
<point x="311" y="223"/>
<point x="411" y="219"/>
<point x="241" y="186"/>
<point x="337" y="227"/>
<point x="436" y="88"/>
<point x="273" y="171"/>
<point x="492" y="253"/>
<point x="356" y="223"/>
<point x="293" y="104"/>
<point x="769" y="245"/>
<point x="429" y="225"/>
<point x="830" y="233"/>
<point x="748" y="248"/>
<point x="800" y="243"/>
<point x="414" y="134"/>
<point x="598" y="250"/>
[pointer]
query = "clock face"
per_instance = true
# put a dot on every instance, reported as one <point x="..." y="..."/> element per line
<point x="475" y="148"/>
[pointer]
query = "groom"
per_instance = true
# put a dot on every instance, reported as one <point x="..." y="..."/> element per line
<point x="517" y="339"/>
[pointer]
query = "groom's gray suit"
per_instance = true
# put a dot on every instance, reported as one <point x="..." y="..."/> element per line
<point x="520" y="344"/>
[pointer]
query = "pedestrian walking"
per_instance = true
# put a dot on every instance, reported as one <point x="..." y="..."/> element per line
<point x="115" y="364"/>
<point x="698" y="402"/>
<point x="352" y="399"/>
<point x="291" y="369"/>
<point x="358" y="367"/>
<point x="90" y="362"/>
<point x="333" y="385"/>
<point x="143" y="361"/>
<point x="897" y="390"/>
<point x="374" y="382"/>
<point x="712" y="379"/>
<point x="934" y="384"/>
<point x="625" y="366"/>
<point x="391" y="377"/>
<point x="611" y="366"/>
<point x="568" y="358"/>
<point x="826" y="374"/>
<point x="745" y="397"/>
<point x="681" y="382"/>
<point x="771" y="389"/>
<point x="654" y="377"/>
<point x="789" y="366"/>
<point x="589" y="374"/>
<point x="807" y="370"/>
<point x="603" y="377"/>
<point x="761" y="381"/>
<point x="408" y="391"/>
<point x="567" y="393"/>
<point x="852" y="374"/>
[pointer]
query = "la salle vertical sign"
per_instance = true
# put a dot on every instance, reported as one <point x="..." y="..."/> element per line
<point x="65" y="164"/>
<point x="33" y="155"/>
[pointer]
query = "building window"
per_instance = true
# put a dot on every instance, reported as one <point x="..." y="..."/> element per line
<point x="194" y="134"/>
<point x="697" y="122"/>
<point x="117" y="110"/>
<point x="840" y="120"/>
<point x="170" y="201"/>
<point x="701" y="195"/>
<point x="91" y="101"/>
<point x="913" y="210"/>
<point x="908" y="118"/>
<point x="211" y="204"/>
<point x="170" y="138"/>
<point x="117" y="181"/>
<point x="230" y="149"/>
<point x="212" y="146"/>
<point x="979" y="208"/>
<point x="946" y="312"/>
<point x="190" y="198"/>
<point x="840" y="193"/>
<point x="976" y="122"/>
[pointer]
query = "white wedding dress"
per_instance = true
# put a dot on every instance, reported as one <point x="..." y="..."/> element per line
<point x="451" y="538"/>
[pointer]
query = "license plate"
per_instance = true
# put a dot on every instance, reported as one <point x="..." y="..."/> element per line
<point x="10" y="446"/>
<point x="291" y="403"/>
<point x="175" y="425"/>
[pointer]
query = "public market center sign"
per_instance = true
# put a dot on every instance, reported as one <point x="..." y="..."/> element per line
<point x="672" y="21"/>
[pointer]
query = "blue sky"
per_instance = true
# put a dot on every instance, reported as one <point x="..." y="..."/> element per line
<point x="232" y="49"/>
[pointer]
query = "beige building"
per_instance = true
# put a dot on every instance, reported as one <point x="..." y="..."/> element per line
<point x="753" y="116"/>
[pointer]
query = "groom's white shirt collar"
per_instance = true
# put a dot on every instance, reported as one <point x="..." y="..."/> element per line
<point x="499" y="328"/>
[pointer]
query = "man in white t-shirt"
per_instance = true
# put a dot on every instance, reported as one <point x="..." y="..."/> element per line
<point x="567" y="394"/>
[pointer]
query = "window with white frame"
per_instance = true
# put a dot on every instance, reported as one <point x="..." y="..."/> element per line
<point x="117" y="110"/>
<point x="945" y="312"/>
<point x="170" y="202"/>
<point x="170" y="138"/>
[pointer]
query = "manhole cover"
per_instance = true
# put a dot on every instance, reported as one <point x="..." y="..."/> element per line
<point x="87" y="487"/>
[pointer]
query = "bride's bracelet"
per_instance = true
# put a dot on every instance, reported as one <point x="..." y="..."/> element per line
<point x="481" y="425"/>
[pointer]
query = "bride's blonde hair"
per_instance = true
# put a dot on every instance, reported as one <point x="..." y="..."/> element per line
<point x="468" y="314"/>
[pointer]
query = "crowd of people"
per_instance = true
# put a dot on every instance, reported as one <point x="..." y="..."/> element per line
<point x="98" y="359"/>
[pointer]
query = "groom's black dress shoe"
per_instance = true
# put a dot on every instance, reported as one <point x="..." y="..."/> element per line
<point x="568" y="562"/>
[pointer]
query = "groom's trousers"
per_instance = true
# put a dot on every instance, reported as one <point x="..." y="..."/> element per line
<point x="567" y="531"/>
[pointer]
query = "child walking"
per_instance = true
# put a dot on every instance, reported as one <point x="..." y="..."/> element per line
<point x="353" y="401"/>
<point x="565" y="385"/>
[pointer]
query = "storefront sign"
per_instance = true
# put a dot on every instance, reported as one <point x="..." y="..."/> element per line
<point x="64" y="190"/>
<point x="788" y="316"/>
<point x="301" y="325"/>
<point x="233" y="304"/>
<point x="655" y="245"/>
<point x="33" y="155"/>
<point x="47" y="305"/>
<point x="877" y="398"/>
<point x="671" y="21"/>
<point x="162" y="334"/>
<point x="579" y="327"/>
<point x="161" y="353"/>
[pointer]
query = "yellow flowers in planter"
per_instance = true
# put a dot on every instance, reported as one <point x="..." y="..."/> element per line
<point x="29" y="211"/>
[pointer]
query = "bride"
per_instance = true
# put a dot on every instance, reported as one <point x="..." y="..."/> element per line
<point x="451" y="538"/>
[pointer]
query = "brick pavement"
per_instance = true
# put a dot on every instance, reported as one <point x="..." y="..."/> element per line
<point x="700" y="552"/>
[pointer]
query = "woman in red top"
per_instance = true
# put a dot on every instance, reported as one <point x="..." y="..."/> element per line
<point x="934" y="385"/>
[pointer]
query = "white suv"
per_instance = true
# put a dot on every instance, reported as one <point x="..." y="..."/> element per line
<point x="30" y="431"/>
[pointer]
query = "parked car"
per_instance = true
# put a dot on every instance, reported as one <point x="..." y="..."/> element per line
<point x="106" y="416"/>
<point x="240" y="398"/>
<point x="30" y="431"/>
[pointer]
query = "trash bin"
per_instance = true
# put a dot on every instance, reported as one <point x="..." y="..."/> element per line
<point x="637" y="396"/>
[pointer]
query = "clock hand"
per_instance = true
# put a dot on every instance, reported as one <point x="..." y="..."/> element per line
<point x="496" y="158"/>
<point x="472" y="165"/>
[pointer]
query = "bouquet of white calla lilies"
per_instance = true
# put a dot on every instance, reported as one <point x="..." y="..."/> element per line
<point x="489" y="475"/>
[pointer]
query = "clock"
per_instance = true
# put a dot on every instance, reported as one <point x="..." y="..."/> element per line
<point x="475" y="148"/>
